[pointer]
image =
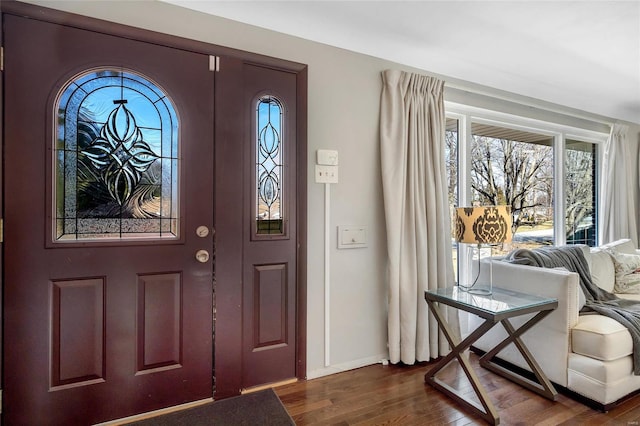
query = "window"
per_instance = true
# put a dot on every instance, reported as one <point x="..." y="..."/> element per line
<point x="515" y="168"/>
<point x="269" y="167"/>
<point x="451" y="163"/>
<point x="546" y="172"/>
<point x="116" y="159"/>
<point x="580" y="192"/>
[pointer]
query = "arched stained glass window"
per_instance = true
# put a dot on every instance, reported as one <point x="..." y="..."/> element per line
<point x="116" y="164"/>
<point x="269" y="166"/>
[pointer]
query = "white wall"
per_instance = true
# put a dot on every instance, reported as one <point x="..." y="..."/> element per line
<point x="344" y="94"/>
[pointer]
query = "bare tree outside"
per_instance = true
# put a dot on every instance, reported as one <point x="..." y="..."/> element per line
<point x="451" y="160"/>
<point x="517" y="174"/>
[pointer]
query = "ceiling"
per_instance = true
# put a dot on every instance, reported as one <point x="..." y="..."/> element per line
<point x="580" y="54"/>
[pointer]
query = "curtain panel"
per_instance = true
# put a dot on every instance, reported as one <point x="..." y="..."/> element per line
<point x="417" y="214"/>
<point x="617" y="207"/>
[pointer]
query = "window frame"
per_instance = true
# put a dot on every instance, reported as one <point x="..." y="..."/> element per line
<point x="252" y="163"/>
<point x="51" y="196"/>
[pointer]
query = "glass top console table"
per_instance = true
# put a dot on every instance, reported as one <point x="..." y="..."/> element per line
<point x="498" y="307"/>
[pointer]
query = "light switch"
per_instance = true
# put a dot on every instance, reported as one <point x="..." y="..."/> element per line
<point x="327" y="157"/>
<point x="326" y="174"/>
<point x="352" y="236"/>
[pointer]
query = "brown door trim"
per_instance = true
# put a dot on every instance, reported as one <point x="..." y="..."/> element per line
<point x="301" y="338"/>
<point x="1" y="205"/>
<point x="106" y="27"/>
<point x="148" y="36"/>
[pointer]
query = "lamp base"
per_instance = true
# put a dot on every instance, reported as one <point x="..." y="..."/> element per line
<point x="480" y="291"/>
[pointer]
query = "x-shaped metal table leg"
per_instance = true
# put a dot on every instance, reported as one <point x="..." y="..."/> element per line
<point x="543" y="386"/>
<point x="486" y="410"/>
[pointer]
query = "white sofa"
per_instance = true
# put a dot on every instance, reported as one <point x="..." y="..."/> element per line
<point x="590" y="355"/>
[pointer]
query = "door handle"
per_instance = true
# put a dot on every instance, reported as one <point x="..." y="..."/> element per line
<point x="202" y="256"/>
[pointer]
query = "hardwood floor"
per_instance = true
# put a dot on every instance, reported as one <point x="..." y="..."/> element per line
<point x="397" y="395"/>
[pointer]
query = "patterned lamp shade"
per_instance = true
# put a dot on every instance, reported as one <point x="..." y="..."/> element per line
<point x="483" y="225"/>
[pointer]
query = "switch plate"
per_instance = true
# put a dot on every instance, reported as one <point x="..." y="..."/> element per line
<point x="326" y="174"/>
<point x="352" y="236"/>
<point x="327" y="157"/>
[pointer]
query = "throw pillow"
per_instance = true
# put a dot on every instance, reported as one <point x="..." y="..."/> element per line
<point x="627" y="267"/>
<point x="624" y="263"/>
<point x="628" y="284"/>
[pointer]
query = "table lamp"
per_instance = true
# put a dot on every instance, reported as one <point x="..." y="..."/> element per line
<point x="486" y="225"/>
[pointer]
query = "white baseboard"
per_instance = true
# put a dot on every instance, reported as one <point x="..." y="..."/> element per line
<point x="351" y="365"/>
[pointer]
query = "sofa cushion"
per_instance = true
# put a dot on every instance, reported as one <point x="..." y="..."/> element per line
<point x="629" y="296"/>
<point x="621" y="246"/>
<point x="601" y="337"/>
<point x="586" y="250"/>
<point x="602" y="272"/>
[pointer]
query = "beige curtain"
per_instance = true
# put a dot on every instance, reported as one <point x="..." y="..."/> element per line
<point x="617" y="207"/>
<point x="412" y="145"/>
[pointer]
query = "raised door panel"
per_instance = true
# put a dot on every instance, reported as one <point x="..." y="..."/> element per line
<point x="77" y="332"/>
<point x="159" y="322"/>
<point x="270" y="306"/>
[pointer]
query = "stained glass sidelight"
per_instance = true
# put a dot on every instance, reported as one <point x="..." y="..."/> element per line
<point x="269" y="165"/>
<point x="116" y="165"/>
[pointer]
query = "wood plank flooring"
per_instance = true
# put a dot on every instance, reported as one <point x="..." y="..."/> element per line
<point x="397" y="395"/>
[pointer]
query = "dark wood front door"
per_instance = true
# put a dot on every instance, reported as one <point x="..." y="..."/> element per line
<point x="111" y="306"/>
<point x="269" y="270"/>
<point x="107" y="311"/>
<point x="258" y="309"/>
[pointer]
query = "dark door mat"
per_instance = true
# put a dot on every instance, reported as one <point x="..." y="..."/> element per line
<point x="258" y="408"/>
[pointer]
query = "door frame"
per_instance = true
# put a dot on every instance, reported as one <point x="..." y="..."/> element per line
<point x="1" y="205"/>
<point x="301" y="71"/>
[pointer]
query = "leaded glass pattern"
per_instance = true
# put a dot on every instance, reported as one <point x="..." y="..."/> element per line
<point x="116" y="158"/>
<point x="269" y="165"/>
